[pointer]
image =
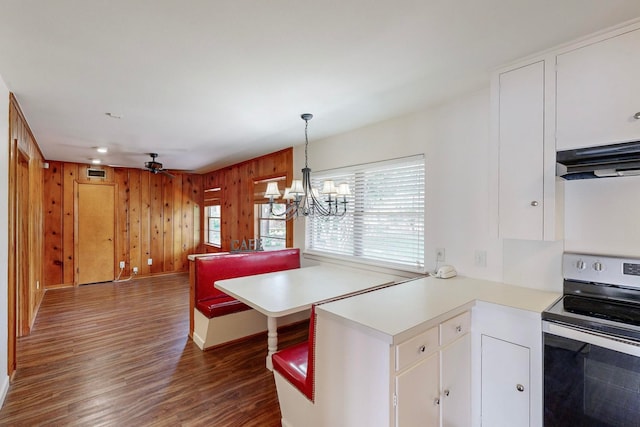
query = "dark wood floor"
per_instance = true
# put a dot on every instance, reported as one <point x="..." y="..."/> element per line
<point x="118" y="355"/>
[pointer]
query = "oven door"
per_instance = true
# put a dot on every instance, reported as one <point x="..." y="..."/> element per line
<point x="590" y="379"/>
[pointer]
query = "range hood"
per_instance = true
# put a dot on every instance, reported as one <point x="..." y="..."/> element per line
<point x="599" y="162"/>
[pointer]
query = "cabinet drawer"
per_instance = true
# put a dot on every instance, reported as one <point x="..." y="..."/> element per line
<point x="454" y="328"/>
<point x="416" y="348"/>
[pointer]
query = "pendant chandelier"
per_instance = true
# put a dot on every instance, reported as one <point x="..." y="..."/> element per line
<point x="301" y="199"/>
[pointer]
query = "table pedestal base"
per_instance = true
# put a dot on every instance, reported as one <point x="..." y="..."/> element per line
<point x="272" y="339"/>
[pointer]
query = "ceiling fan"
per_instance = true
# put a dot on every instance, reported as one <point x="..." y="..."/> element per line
<point x="156" y="167"/>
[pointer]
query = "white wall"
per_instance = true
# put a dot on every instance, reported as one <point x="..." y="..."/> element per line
<point x="462" y="199"/>
<point x="4" y="242"/>
<point x="602" y="216"/>
<point x="460" y="196"/>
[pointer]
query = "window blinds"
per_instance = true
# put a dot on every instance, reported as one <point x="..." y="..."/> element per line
<point x="384" y="224"/>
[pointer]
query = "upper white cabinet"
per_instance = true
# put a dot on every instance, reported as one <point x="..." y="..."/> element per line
<point x="526" y="150"/>
<point x="598" y="92"/>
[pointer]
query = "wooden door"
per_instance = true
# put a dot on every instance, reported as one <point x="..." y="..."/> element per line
<point x="95" y="241"/>
<point x="22" y="247"/>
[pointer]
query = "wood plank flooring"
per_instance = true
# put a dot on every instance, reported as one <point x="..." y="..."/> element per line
<point x="118" y="354"/>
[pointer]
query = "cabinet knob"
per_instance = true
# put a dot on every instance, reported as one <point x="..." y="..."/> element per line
<point x="458" y="329"/>
<point x="534" y="203"/>
<point x="637" y="115"/>
<point x="520" y="388"/>
<point x="436" y="401"/>
<point x="422" y="348"/>
<point x="446" y="393"/>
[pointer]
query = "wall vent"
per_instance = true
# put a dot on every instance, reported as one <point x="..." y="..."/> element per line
<point x="96" y="173"/>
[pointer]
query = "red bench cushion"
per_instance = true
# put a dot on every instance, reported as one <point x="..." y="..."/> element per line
<point x="296" y="363"/>
<point x="220" y="306"/>
<point x="292" y="364"/>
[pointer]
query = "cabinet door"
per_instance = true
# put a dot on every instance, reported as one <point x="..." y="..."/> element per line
<point x="456" y="383"/>
<point x="598" y="93"/>
<point x="417" y="392"/>
<point x="505" y="383"/>
<point x="521" y="151"/>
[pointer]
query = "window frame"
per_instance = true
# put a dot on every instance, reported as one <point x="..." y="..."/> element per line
<point x="259" y="187"/>
<point x="213" y="197"/>
<point x="361" y="223"/>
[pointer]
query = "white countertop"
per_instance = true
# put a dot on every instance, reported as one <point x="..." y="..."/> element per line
<point x="290" y="291"/>
<point x="395" y="310"/>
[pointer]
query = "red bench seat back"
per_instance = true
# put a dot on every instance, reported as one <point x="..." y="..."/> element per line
<point x="209" y="269"/>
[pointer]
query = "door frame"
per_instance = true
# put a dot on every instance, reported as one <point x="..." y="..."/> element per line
<point x="76" y="223"/>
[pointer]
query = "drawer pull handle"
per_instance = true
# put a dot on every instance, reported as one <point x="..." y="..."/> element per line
<point x="458" y="329"/>
<point x="422" y="348"/>
<point x="637" y="115"/>
<point x="520" y="388"/>
<point x="534" y="203"/>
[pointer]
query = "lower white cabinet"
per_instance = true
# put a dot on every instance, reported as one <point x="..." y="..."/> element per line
<point x="508" y="373"/>
<point x="505" y="383"/>
<point x="436" y="390"/>
<point x="418" y="394"/>
<point x="456" y="383"/>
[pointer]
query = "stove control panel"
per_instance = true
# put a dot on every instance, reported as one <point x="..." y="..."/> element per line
<point x="601" y="269"/>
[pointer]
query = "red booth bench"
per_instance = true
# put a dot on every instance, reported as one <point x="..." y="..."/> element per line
<point x="219" y="318"/>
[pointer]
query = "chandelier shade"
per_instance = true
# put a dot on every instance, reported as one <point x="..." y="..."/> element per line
<point x="301" y="199"/>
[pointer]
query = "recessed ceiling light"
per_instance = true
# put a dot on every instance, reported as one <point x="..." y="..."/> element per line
<point x="96" y="161"/>
<point x="114" y="115"/>
<point x="102" y="149"/>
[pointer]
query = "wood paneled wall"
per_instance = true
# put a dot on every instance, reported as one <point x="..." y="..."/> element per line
<point x="236" y="184"/>
<point x="157" y="217"/>
<point x="25" y="221"/>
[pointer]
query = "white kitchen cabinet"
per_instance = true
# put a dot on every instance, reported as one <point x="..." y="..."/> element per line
<point x="418" y="394"/>
<point x="455" y="368"/>
<point x="527" y="200"/>
<point x="383" y="357"/>
<point x="598" y="91"/>
<point x="508" y="372"/>
<point x="436" y="391"/>
<point x="505" y="383"/>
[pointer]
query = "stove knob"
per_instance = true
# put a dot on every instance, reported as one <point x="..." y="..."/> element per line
<point x="597" y="266"/>
<point x="581" y="265"/>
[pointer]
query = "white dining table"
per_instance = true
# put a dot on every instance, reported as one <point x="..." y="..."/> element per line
<point x="291" y="291"/>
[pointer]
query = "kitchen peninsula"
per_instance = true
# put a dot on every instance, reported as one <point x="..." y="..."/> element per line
<point x="426" y="349"/>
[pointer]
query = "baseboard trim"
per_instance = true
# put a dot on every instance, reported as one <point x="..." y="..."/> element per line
<point x="4" y="389"/>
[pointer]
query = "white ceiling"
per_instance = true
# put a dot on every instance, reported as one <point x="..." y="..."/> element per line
<point x="208" y="83"/>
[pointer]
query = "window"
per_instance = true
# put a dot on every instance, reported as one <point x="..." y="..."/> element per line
<point x="212" y="217"/>
<point x="384" y="224"/>
<point x="272" y="230"/>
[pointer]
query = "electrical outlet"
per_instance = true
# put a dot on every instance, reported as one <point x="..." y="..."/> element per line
<point x="440" y="255"/>
<point x="149" y="261"/>
<point x="481" y="258"/>
<point x="135" y="270"/>
<point x="121" y="264"/>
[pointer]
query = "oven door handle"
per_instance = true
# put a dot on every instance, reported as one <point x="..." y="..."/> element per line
<point x="591" y="337"/>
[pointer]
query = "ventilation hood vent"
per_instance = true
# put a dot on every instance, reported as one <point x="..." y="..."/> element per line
<point x="599" y="162"/>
